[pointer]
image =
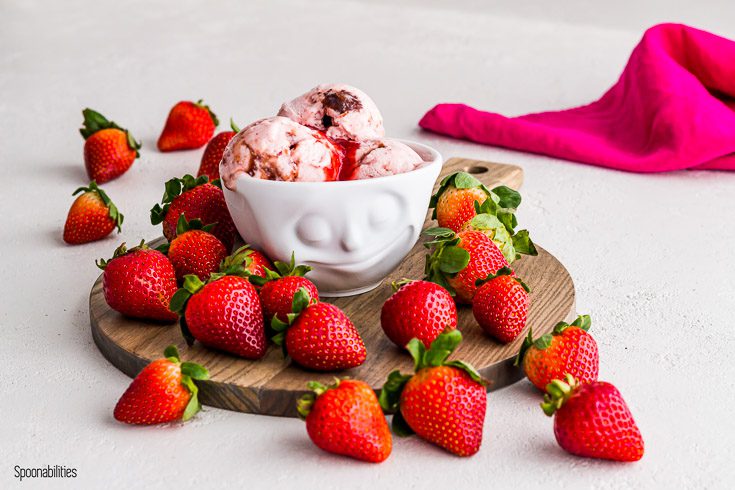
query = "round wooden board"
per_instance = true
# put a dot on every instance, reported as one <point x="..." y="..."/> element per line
<point x="272" y="385"/>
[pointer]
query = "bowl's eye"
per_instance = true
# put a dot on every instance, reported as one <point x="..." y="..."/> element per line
<point x="313" y="229"/>
<point x="384" y="211"/>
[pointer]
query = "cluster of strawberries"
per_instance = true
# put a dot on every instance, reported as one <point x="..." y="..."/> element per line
<point x="234" y="301"/>
<point x="110" y="150"/>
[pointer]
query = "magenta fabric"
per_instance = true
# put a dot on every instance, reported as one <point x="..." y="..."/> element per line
<point x="672" y="108"/>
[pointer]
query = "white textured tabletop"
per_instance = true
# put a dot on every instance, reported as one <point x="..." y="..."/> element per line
<point x="651" y="255"/>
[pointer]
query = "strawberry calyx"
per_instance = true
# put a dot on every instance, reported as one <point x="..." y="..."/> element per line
<point x="234" y="126"/>
<point x="557" y="393"/>
<point x="283" y="269"/>
<point x="458" y="180"/>
<point x="306" y="402"/>
<point x="544" y="342"/>
<point x="114" y="213"/>
<point x="94" y="122"/>
<point x="503" y="271"/>
<point x="396" y="285"/>
<point x="174" y="188"/>
<point x="182" y="225"/>
<point x="119" y="252"/>
<point x="301" y="301"/>
<point x="447" y="258"/>
<point x="436" y="355"/>
<point x="238" y="262"/>
<point x="190" y="371"/>
<point x="200" y="103"/>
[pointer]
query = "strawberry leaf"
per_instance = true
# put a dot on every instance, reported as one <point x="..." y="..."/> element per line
<point x="527" y="343"/>
<point x="194" y="371"/>
<point x="390" y="394"/>
<point x="453" y="259"/>
<point x="583" y="321"/>
<point x="171" y="353"/>
<point x="509" y="198"/>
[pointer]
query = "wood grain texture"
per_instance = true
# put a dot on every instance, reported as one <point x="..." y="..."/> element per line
<point x="272" y="385"/>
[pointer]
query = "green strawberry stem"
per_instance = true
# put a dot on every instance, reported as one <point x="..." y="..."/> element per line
<point x="233" y="126"/>
<point x="182" y="225"/>
<point x="503" y="271"/>
<point x="557" y="393"/>
<point x="283" y="269"/>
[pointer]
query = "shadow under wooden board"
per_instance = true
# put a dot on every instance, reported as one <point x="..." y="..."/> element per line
<point x="272" y="385"/>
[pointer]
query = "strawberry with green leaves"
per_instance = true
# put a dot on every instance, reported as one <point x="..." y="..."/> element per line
<point x="319" y="336"/>
<point x="464" y="203"/>
<point x="195" y="250"/>
<point x="279" y="285"/>
<point x="195" y="198"/>
<point x="92" y="216"/>
<point x="109" y="150"/>
<point x="246" y="262"/>
<point x="500" y="305"/>
<point x="209" y="165"/>
<point x="345" y="418"/>
<point x="189" y="125"/>
<point x="592" y="420"/>
<point x="568" y="349"/>
<point x="223" y="314"/>
<point x="458" y="260"/>
<point x="444" y="402"/>
<point x="164" y="391"/>
<point x="139" y="283"/>
<point x="417" y="309"/>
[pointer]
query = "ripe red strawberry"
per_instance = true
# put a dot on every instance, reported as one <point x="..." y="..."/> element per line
<point x="92" y="216"/>
<point x="500" y="305"/>
<point x="195" y="250"/>
<point x="417" y="309"/>
<point x="444" y="402"/>
<point x="164" y="391"/>
<point x="139" y="283"/>
<point x="109" y="150"/>
<point x="222" y="314"/>
<point x="460" y="259"/>
<point x="246" y="262"/>
<point x="278" y="288"/>
<point x="213" y="152"/>
<point x="345" y="418"/>
<point x="195" y="199"/>
<point x="569" y="349"/>
<point x="319" y="336"/>
<point x="592" y="420"/>
<point x="189" y="125"/>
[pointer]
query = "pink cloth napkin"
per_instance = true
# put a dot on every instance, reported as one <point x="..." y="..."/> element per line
<point x="672" y="108"/>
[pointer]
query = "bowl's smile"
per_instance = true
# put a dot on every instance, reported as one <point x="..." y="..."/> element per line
<point x="371" y="258"/>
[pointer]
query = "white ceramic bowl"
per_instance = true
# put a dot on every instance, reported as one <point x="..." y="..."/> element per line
<point x="352" y="233"/>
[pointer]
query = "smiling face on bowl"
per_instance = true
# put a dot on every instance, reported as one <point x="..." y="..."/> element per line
<point x="352" y="233"/>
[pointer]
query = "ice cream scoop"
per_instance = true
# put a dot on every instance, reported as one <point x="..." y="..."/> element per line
<point x="341" y="111"/>
<point x="378" y="158"/>
<point x="277" y="148"/>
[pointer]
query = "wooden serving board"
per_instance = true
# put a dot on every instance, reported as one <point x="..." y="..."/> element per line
<point x="272" y="385"/>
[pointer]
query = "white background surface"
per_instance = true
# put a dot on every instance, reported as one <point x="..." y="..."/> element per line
<point x="651" y="255"/>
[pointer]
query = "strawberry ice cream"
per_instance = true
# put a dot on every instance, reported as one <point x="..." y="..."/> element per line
<point x="277" y="148"/>
<point x="341" y="111"/>
<point x="378" y="158"/>
<point x="332" y="132"/>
